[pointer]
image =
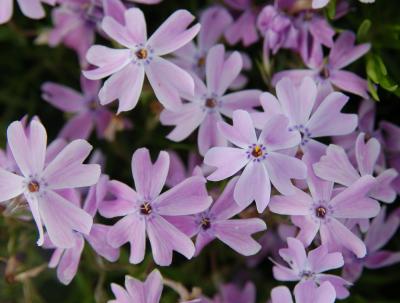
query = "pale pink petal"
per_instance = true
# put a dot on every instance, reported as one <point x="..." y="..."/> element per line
<point x="247" y="99"/>
<point x="11" y="185"/>
<point x="281" y="294"/>
<point x="31" y="8"/>
<point x="281" y="168"/>
<point x="277" y="136"/>
<point x="353" y="202"/>
<point x="168" y="82"/>
<point x="253" y="185"/>
<point x="367" y="154"/>
<point x="153" y="287"/>
<point x="120" y="294"/>
<point x="78" y="127"/>
<point x="61" y="218"/>
<point x="107" y="59"/>
<point x="225" y="206"/>
<point x="209" y="133"/>
<point x="125" y="85"/>
<point x="349" y="82"/>
<point x="327" y="119"/>
<point x="98" y="240"/>
<point x="165" y="238"/>
<point x="188" y="197"/>
<point x="321" y="260"/>
<point x="149" y="178"/>
<point x="36" y="214"/>
<point x="69" y="261"/>
<point x="62" y="97"/>
<point x="6" y="11"/>
<point x="67" y="170"/>
<point x="237" y="234"/>
<point x="297" y="204"/>
<point x="227" y="160"/>
<point x="335" y="166"/>
<point x="174" y="33"/>
<point x="384" y="190"/>
<point x="118" y="32"/>
<point x="242" y="132"/>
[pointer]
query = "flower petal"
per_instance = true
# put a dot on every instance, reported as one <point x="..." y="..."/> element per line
<point x="11" y="185"/>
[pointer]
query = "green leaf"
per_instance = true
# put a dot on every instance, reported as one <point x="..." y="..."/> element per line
<point x="373" y="91"/>
<point x="331" y="9"/>
<point x="363" y="30"/>
<point x="372" y="72"/>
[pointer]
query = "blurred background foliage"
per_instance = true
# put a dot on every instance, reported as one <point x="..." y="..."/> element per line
<point x="24" y="66"/>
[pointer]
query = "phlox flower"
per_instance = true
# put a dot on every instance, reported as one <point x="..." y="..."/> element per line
<point x="244" y="28"/>
<point x="67" y="259"/>
<point x="136" y="291"/>
<point x="323" y="209"/>
<point x="30" y="8"/>
<point x="145" y="211"/>
<point x="88" y="113"/>
<point x="311" y="121"/>
<point x="178" y="171"/>
<point x="210" y="102"/>
<point x="262" y="159"/>
<point x="40" y="181"/>
<point x="380" y="232"/>
<point x="328" y="72"/>
<point x="75" y="23"/>
<point x="306" y="292"/>
<point x="336" y="167"/>
<point x="310" y="267"/>
<point x="229" y="293"/>
<point x="217" y="223"/>
<point x="127" y="66"/>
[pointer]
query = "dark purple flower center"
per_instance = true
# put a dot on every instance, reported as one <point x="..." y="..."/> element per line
<point x="33" y="186"/>
<point x="145" y="208"/>
<point x="211" y="103"/>
<point x="320" y="212"/>
<point x="141" y="53"/>
<point x="306" y="274"/>
<point x="205" y="223"/>
<point x="257" y="151"/>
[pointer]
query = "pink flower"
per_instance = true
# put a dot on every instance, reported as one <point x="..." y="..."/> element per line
<point x="39" y="182"/>
<point x="209" y="103"/>
<point x="86" y="107"/>
<point x="136" y="291"/>
<point x="67" y="259"/>
<point x="146" y="210"/>
<point x="306" y="292"/>
<point x="310" y="267"/>
<point x="127" y="66"/>
<point x="323" y="210"/>
<point x="336" y="167"/>
<point x="262" y="159"/>
<point x="217" y="223"/>
<point x="30" y="8"/>
<point x="311" y="121"/>
<point x="329" y="73"/>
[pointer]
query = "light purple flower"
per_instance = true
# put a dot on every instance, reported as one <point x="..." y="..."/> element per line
<point x="40" y="181"/>
<point x="88" y="114"/>
<point x="30" y="8"/>
<point x="380" y="232"/>
<point x="136" y="291"/>
<point x="140" y="56"/>
<point x="310" y="267"/>
<point x="336" y="167"/>
<point x="328" y="72"/>
<point x="67" y="260"/>
<point x="177" y="170"/>
<point x="209" y="103"/>
<point x="323" y="210"/>
<point x="277" y="29"/>
<point x="244" y="28"/>
<point x="262" y="159"/>
<point x="229" y="293"/>
<point x="217" y="223"/>
<point x="145" y="211"/>
<point x="306" y="292"/>
<point x="298" y="104"/>
<point x="77" y="21"/>
<point x="192" y="57"/>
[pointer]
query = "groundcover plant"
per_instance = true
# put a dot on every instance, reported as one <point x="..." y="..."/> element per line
<point x="215" y="151"/>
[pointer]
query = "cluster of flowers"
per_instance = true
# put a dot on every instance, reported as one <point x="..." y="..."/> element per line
<point x="272" y="152"/>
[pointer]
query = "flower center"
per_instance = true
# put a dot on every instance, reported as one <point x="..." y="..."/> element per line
<point x="201" y="62"/>
<point x="306" y="275"/>
<point x="205" y="223"/>
<point x="211" y="103"/>
<point x="320" y="212"/>
<point x="257" y="151"/>
<point x="33" y="186"/>
<point x="145" y="208"/>
<point x="141" y="53"/>
<point x="324" y="73"/>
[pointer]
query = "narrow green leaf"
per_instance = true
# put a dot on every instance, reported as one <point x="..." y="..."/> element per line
<point x="363" y="29"/>
<point x="373" y="91"/>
